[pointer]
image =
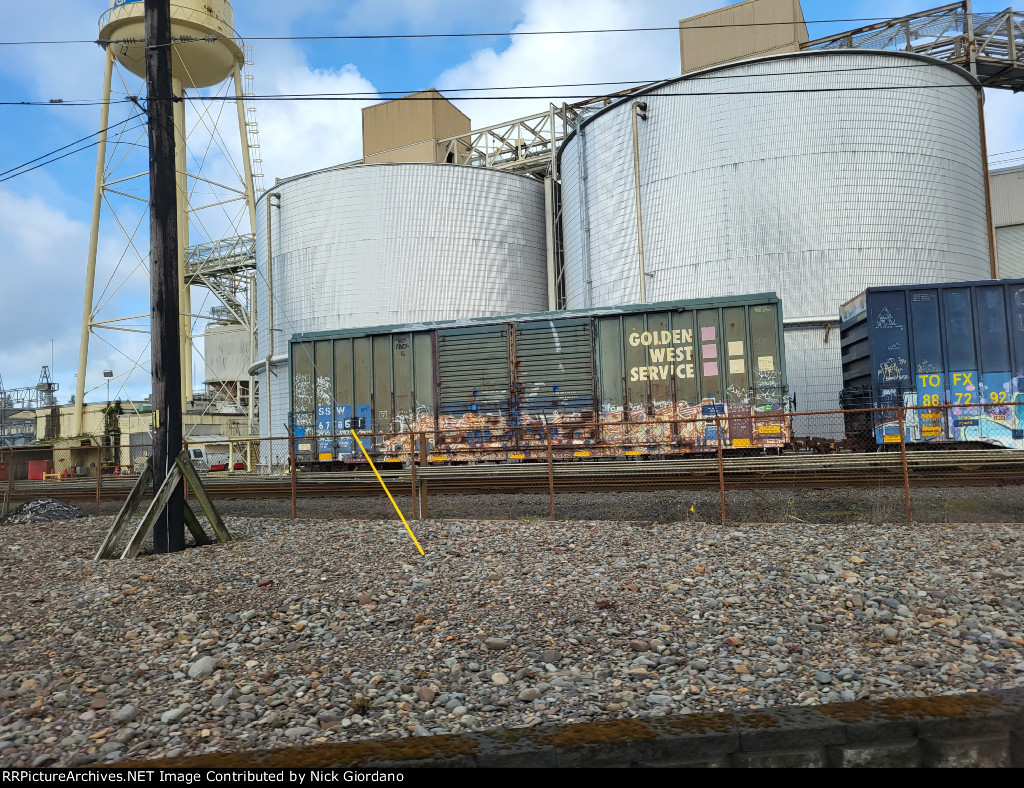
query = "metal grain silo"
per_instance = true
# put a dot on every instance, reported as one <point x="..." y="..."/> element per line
<point x="391" y="243"/>
<point x="814" y="175"/>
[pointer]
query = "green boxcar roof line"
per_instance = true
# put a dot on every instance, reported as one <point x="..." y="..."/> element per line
<point x="563" y="314"/>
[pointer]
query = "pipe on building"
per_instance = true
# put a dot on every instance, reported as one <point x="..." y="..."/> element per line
<point x="256" y="367"/>
<point x="639" y="111"/>
<point x="550" y="208"/>
<point x="994" y="262"/>
<point x="253" y="317"/>
<point x="270" y="298"/>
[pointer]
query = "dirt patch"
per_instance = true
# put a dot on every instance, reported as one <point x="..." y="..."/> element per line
<point x="897" y="709"/>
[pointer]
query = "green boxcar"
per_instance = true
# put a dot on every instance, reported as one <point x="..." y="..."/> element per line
<point x="663" y="379"/>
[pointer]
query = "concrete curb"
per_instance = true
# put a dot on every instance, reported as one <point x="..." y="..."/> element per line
<point x="971" y="730"/>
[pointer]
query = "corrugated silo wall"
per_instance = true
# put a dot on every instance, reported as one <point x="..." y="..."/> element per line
<point x="872" y="177"/>
<point x="393" y="243"/>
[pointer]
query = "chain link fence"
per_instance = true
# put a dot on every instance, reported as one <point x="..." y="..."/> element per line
<point x="904" y="463"/>
<point x="867" y="464"/>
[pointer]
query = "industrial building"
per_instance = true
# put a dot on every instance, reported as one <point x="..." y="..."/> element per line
<point x="812" y="195"/>
<point x="1008" y="218"/>
<point x="755" y="28"/>
<point x="814" y="169"/>
<point x="391" y="243"/>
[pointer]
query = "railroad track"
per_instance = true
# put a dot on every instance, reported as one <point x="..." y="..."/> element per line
<point x="932" y="468"/>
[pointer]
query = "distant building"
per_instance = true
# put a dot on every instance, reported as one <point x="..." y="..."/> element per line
<point x="751" y="29"/>
<point x="1008" y="218"/>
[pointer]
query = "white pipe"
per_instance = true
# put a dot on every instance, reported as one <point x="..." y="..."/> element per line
<point x="639" y="106"/>
<point x="270" y="315"/>
<point x="549" y="228"/>
<point x="257" y="366"/>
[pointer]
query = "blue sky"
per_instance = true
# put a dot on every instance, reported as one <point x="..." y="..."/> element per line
<point x="44" y="215"/>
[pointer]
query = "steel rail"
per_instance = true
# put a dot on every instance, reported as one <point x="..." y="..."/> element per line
<point x="968" y="468"/>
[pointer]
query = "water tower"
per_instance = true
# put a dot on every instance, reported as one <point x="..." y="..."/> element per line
<point x="207" y="53"/>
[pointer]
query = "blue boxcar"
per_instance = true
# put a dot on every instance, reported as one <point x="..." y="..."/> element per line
<point x="953" y="353"/>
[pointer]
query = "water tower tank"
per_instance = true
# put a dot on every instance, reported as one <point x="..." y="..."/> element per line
<point x="198" y="64"/>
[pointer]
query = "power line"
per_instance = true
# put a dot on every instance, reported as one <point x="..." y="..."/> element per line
<point x="65" y="147"/>
<point x="534" y="97"/>
<point x="1006" y="152"/>
<point x="20" y="170"/>
<point x="582" y="97"/>
<point x="512" y="33"/>
<point x="64" y="103"/>
<point x="369" y="95"/>
<point x="693" y="78"/>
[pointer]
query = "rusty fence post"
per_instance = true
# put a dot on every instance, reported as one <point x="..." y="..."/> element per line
<point x="721" y="465"/>
<point x="412" y="474"/>
<point x="99" y="478"/>
<point x="424" y="506"/>
<point x="10" y="484"/>
<point x="291" y="464"/>
<point x="551" y="480"/>
<point x="901" y="415"/>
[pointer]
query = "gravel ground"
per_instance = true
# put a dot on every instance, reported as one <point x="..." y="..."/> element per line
<point x="339" y="630"/>
<point x="836" y="505"/>
<point x="840" y="505"/>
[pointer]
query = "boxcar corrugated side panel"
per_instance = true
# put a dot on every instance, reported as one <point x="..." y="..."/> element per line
<point x="554" y="380"/>
<point x="670" y="378"/>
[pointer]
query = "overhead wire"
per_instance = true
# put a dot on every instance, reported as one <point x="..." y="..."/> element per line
<point x="364" y="96"/>
<point x="62" y="148"/>
<point x="498" y="34"/>
<point x="409" y="94"/>
<point x="582" y="97"/>
<point x="64" y="103"/>
<point x="21" y="170"/>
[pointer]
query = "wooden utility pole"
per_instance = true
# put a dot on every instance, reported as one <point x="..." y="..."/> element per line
<point x="169" y="529"/>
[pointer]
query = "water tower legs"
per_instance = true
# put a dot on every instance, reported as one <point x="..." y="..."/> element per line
<point x="185" y="295"/>
<point x="243" y="133"/>
<point x="250" y="198"/>
<point x="94" y="234"/>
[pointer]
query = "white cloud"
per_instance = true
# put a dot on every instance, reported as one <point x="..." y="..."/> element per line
<point x="40" y="245"/>
<point x="44" y="259"/>
<point x="431" y="15"/>
<point x="68" y="71"/>
<point x="298" y="136"/>
<point x="273" y="17"/>
<point x="579" y="58"/>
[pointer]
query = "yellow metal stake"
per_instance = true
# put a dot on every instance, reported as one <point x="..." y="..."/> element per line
<point x="362" y="448"/>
